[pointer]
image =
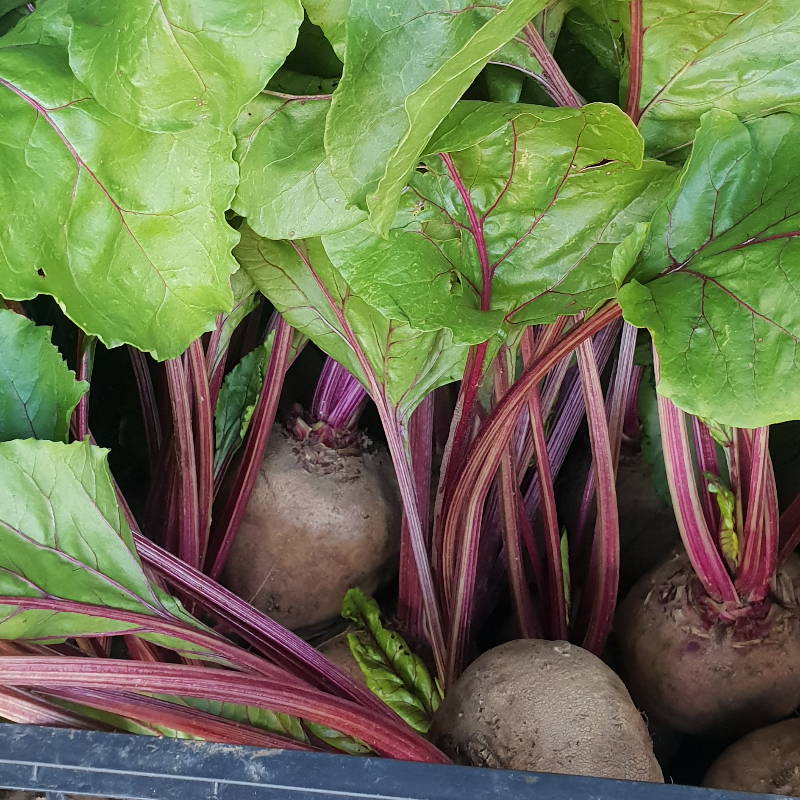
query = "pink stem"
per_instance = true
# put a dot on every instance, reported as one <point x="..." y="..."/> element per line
<point x="17" y="705"/>
<point x="461" y="433"/>
<point x="616" y="406"/>
<point x="596" y="610"/>
<point x="635" y="60"/>
<point x="696" y="536"/>
<point x="569" y="413"/>
<point x="85" y="361"/>
<point x="204" y="441"/>
<point x="463" y="426"/>
<point x="280" y="646"/>
<point x="557" y="606"/>
<point x="553" y="79"/>
<point x="253" y="454"/>
<point x="191" y="721"/>
<point x="190" y="542"/>
<point x="410" y="609"/>
<point x="509" y="523"/>
<point x="215" y="361"/>
<point x="395" y="740"/>
<point x="706" y="456"/>
<point x="339" y="398"/>
<point x="760" y="538"/>
<point x="147" y="398"/>
<point x="462" y="524"/>
<point x="393" y="428"/>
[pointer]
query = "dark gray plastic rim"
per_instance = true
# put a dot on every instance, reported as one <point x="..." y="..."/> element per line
<point x="53" y="761"/>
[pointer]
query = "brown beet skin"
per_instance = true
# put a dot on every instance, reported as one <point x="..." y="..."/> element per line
<point x="686" y="667"/>
<point x="319" y="522"/>
<point x="766" y="761"/>
<point x="545" y="707"/>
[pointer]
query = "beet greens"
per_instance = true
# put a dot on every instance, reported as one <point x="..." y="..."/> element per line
<point x="437" y="201"/>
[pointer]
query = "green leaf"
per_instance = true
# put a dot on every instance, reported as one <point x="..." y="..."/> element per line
<point x="287" y="81"/>
<point x="286" y="189"/>
<point x="237" y="402"/>
<point x="165" y="65"/>
<point x="132" y="239"/>
<point x="651" y="443"/>
<point x="393" y="672"/>
<point x="729" y="541"/>
<point x="63" y="535"/>
<point x="49" y="24"/>
<point x="331" y="16"/>
<point x="552" y="193"/>
<point x="584" y="72"/>
<point x="625" y="255"/>
<point x="596" y="25"/>
<point x="503" y="84"/>
<point x="347" y="744"/>
<point x="406" y="67"/>
<point x="311" y="294"/>
<point x="8" y="5"/>
<point x="37" y="390"/>
<point x="739" y="56"/>
<point x="281" y="724"/>
<point x="565" y="571"/>
<point x="718" y="279"/>
<point x="10" y="20"/>
<point x="245" y="299"/>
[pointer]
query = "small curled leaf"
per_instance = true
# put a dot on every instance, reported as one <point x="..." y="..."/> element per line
<point x="393" y="673"/>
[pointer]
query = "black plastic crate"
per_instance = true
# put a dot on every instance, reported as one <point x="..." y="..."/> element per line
<point x="57" y="763"/>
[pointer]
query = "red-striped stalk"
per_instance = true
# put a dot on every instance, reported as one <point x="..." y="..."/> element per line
<point x="227" y="523"/>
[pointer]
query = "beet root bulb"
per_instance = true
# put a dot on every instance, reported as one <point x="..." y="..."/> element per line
<point x="545" y="707"/>
<point x="766" y="761"/>
<point x="320" y="521"/>
<point x="706" y="674"/>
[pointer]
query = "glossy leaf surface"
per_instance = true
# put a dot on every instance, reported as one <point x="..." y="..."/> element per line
<point x="407" y="64"/>
<point x="63" y="535"/>
<point x="518" y="229"/>
<point x="739" y="55"/>
<point x="393" y="672"/>
<point x="286" y="188"/>
<point x="125" y="228"/>
<point x="166" y="65"/>
<point x="331" y="16"/>
<point x="37" y="390"/>
<point x="718" y="275"/>
<point x="237" y="402"/>
<point x="314" y="298"/>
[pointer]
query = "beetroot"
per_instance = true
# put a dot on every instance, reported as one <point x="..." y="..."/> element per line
<point x="338" y="651"/>
<point x="766" y="761"/>
<point x="703" y="672"/>
<point x="319" y="521"/>
<point x="545" y="707"/>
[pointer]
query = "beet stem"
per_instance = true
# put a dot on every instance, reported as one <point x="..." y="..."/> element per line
<point x="191" y="544"/>
<point x="557" y="607"/>
<point x="147" y="399"/>
<point x="596" y="609"/>
<point x="481" y="464"/>
<point x="509" y="507"/>
<point x="253" y="454"/>
<point x="410" y="608"/>
<point x="700" y="545"/>
<point x="339" y="398"/>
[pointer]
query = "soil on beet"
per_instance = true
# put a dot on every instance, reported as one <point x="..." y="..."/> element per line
<point x="545" y="707"/>
<point x="319" y="522"/>
<point x="703" y="676"/>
